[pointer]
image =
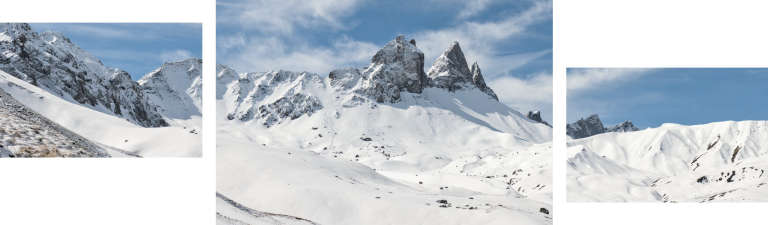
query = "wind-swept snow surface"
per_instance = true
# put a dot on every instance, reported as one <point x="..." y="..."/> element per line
<point x="722" y="161"/>
<point x="380" y="145"/>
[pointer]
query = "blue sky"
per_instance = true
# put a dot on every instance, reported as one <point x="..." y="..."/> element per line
<point x="651" y="97"/>
<point x="511" y="40"/>
<point x="137" y="48"/>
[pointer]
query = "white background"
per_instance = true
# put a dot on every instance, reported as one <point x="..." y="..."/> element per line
<point x="588" y="33"/>
<point x="115" y="191"/>
<point x="654" y="33"/>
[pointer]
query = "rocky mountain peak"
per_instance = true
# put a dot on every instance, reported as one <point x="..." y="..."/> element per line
<point x="479" y="81"/>
<point x="625" y="126"/>
<point x="175" y="88"/>
<point x="52" y="62"/>
<point x="450" y="70"/>
<point x="118" y="75"/>
<point x="592" y="125"/>
<point x="582" y="128"/>
<point x="13" y="30"/>
<point x="398" y="66"/>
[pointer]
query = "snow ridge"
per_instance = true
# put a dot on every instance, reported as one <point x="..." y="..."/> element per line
<point x="722" y="161"/>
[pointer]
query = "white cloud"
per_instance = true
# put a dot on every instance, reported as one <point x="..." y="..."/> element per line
<point x="472" y="7"/>
<point x="272" y="53"/>
<point x="175" y="55"/>
<point x="534" y="93"/>
<point x="479" y="41"/>
<point x="124" y="31"/>
<point x="587" y="79"/>
<point x="283" y="16"/>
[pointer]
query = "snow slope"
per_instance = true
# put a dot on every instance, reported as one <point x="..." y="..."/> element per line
<point x="379" y="146"/>
<point x="24" y="133"/>
<point x="176" y="89"/>
<point x="103" y="128"/>
<point x="722" y="161"/>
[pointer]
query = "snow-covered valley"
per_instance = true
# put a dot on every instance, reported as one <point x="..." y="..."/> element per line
<point x="721" y="161"/>
<point x="386" y="144"/>
<point x="52" y="77"/>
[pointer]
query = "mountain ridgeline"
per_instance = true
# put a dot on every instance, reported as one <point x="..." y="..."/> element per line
<point x="54" y="63"/>
<point x="395" y="70"/>
<point x="592" y="125"/>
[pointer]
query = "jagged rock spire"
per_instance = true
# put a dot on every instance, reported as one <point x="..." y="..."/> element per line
<point x="592" y="125"/>
<point x="625" y="126"/>
<point x="536" y="116"/>
<point x="399" y="66"/>
<point x="450" y="70"/>
<point x="479" y="81"/>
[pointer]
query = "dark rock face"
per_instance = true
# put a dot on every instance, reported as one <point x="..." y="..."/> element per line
<point x="586" y="127"/>
<point x="289" y="107"/>
<point x="625" y="126"/>
<point x="450" y="70"/>
<point x="592" y="125"/>
<point x="252" y="88"/>
<point x="51" y="61"/>
<point x="477" y="79"/>
<point x="397" y="67"/>
<point x="536" y="116"/>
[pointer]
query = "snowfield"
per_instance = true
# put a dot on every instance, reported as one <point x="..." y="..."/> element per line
<point x="379" y="146"/>
<point x="722" y="161"/>
<point x="103" y="128"/>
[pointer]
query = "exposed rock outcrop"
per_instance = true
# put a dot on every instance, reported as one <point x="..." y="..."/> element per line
<point x="397" y="67"/>
<point x="479" y="81"/>
<point x="592" y="125"/>
<point x="536" y="116"/>
<point x="625" y="126"/>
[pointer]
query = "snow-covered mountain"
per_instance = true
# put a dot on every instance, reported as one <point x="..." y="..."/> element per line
<point x="51" y="61"/>
<point x="175" y="89"/>
<point x="722" y="161"/>
<point x="50" y="75"/>
<point x="385" y="144"/>
<point x="592" y="125"/>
